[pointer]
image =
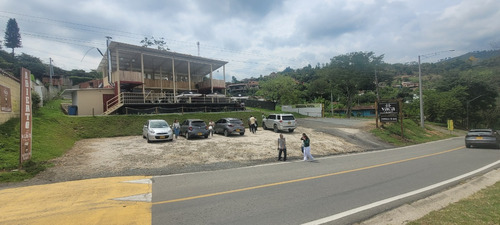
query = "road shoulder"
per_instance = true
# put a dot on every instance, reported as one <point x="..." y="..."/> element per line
<point x="420" y="208"/>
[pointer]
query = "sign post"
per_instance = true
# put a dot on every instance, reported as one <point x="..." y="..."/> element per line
<point x="390" y="111"/>
<point x="26" y="117"/>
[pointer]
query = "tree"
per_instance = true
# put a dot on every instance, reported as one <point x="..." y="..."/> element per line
<point x="160" y="43"/>
<point x="281" y="89"/>
<point x="234" y="80"/>
<point x="353" y="72"/>
<point x="32" y="63"/>
<point x="12" y="36"/>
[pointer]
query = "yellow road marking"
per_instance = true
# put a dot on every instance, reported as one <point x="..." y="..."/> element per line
<point x="76" y="202"/>
<point x="301" y="179"/>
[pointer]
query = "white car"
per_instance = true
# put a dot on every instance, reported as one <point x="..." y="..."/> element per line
<point x="277" y="122"/>
<point x="157" y="130"/>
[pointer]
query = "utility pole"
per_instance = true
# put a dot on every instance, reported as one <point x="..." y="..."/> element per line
<point x="51" y="71"/>
<point x="198" y="43"/>
<point x="421" y="98"/>
<point x="108" y="38"/>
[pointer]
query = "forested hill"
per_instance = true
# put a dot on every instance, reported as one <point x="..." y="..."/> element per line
<point x="452" y="87"/>
<point x="40" y="69"/>
<point x="480" y="55"/>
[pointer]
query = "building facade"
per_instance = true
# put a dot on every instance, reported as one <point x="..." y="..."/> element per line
<point x="10" y="92"/>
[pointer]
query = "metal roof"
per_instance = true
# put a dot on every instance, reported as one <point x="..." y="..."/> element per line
<point x="154" y="60"/>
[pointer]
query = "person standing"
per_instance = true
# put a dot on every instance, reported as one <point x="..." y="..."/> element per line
<point x="177" y="128"/>
<point x="281" y="147"/>
<point x="211" y="126"/>
<point x="251" y="123"/>
<point x="307" y="147"/>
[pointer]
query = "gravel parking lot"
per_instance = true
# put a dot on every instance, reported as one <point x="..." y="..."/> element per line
<point x="132" y="155"/>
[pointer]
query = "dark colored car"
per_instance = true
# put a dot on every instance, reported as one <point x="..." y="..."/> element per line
<point x="229" y="126"/>
<point x="482" y="137"/>
<point x="194" y="128"/>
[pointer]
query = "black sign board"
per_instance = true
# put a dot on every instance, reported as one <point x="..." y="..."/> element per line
<point x="388" y="111"/>
<point x="388" y="108"/>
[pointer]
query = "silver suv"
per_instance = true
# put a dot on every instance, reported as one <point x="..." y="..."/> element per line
<point x="277" y="122"/>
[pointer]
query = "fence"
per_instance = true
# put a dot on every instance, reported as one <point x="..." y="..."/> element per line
<point x="182" y="109"/>
<point x="312" y="110"/>
<point x="259" y="104"/>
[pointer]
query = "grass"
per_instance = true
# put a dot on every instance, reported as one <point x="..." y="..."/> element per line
<point x="54" y="133"/>
<point x="413" y="133"/>
<point x="482" y="207"/>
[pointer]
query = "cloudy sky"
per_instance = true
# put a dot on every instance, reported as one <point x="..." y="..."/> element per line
<point x="256" y="37"/>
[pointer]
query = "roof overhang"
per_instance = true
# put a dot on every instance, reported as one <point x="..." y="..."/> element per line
<point x="131" y="56"/>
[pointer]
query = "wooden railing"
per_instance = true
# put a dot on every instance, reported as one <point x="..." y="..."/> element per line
<point x="216" y="84"/>
<point x="167" y="84"/>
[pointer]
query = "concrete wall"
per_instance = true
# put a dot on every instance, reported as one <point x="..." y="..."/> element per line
<point x="90" y="101"/>
<point x="10" y="97"/>
<point x="308" y="110"/>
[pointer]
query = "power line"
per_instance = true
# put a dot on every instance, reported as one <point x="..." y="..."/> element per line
<point x="230" y="55"/>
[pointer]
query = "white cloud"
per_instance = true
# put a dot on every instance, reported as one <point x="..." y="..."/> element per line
<point x="255" y="37"/>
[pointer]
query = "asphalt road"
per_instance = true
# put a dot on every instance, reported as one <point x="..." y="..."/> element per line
<point x="352" y="130"/>
<point x="338" y="190"/>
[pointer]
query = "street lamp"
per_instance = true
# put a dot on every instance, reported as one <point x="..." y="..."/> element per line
<point x="469" y="101"/>
<point x="420" y="84"/>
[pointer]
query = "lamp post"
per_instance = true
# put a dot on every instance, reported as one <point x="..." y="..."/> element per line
<point x="469" y="101"/>
<point x="420" y="84"/>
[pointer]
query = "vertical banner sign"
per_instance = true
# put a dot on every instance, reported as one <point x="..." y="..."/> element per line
<point x="26" y="116"/>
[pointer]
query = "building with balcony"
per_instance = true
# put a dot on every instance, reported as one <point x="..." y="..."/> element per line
<point x="141" y="77"/>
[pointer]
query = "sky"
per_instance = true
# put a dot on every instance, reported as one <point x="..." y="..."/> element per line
<point x="255" y="37"/>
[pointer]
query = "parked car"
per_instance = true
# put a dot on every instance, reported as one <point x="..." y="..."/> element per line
<point x="157" y="130"/>
<point x="229" y="126"/>
<point x="482" y="137"/>
<point x="194" y="128"/>
<point x="277" y="122"/>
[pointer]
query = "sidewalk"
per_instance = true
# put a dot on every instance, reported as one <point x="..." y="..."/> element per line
<point x="93" y="201"/>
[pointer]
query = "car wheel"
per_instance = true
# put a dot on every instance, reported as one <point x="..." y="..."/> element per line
<point x="147" y="138"/>
<point x="242" y="134"/>
<point x="226" y="133"/>
<point x="186" y="135"/>
<point x="264" y="126"/>
<point x="206" y="136"/>
<point x="467" y="145"/>
<point x="290" y="130"/>
<point x="275" y="128"/>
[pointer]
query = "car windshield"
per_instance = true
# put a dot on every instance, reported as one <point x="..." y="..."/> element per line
<point x="235" y="121"/>
<point x="198" y="123"/>
<point x="288" y="117"/>
<point x="158" y="124"/>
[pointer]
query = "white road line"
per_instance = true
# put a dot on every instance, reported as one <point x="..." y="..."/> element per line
<point x="395" y="198"/>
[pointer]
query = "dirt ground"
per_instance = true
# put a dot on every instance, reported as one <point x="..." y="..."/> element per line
<point x="132" y="155"/>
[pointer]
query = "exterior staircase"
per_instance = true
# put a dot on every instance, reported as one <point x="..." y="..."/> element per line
<point x="114" y="104"/>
